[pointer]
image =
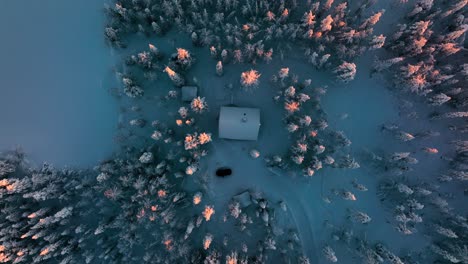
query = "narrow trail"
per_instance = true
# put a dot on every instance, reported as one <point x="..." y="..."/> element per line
<point x="283" y="187"/>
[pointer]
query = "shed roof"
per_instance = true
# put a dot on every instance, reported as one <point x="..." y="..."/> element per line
<point x="239" y="123"/>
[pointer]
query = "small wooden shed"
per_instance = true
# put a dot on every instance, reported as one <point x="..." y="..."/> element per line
<point x="239" y="123"/>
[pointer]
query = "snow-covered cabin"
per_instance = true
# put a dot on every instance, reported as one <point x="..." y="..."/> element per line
<point x="239" y="123"/>
<point x="188" y="93"/>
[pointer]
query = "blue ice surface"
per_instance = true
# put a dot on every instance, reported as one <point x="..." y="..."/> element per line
<point x="55" y="72"/>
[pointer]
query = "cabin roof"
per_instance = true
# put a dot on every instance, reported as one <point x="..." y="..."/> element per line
<point x="239" y="123"/>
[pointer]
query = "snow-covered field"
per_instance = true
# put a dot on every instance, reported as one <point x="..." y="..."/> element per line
<point x="55" y="74"/>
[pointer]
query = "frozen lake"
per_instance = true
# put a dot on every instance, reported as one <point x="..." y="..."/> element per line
<point x="54" y="75"/>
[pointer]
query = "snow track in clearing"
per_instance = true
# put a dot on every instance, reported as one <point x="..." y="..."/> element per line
<point x="253" y="175"/>
<point x="282" y="186"/>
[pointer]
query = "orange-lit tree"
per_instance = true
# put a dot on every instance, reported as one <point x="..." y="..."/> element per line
<point x="176" y="78"/>
<point x="250" y="79"/>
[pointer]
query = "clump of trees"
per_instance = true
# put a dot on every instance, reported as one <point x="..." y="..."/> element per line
<point x="312" y="144"/>
<point x="129" y="210"/>
<point x="331" y="33"/>
<point x="359" y="246"/>
<point x="41" y="218"/>
<point x="426" y="53"/>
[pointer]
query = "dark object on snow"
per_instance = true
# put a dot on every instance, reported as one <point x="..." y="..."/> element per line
<point x="223" y="172"/>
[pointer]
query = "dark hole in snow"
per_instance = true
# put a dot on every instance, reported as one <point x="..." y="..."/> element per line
<point x="223" y="172"/>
